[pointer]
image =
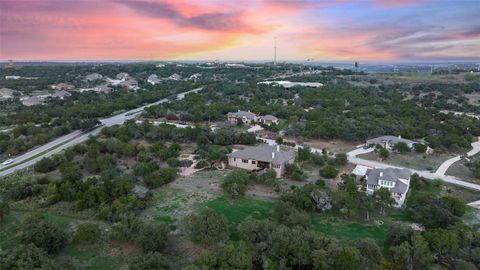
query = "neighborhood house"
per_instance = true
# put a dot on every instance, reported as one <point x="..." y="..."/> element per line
<point x="397" y="181"/>
<point x="249" y="117"/>
<point x="262" y="157"/>
<point x="388" y="142"/>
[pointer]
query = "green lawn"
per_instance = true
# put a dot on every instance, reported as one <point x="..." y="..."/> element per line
<point x="98" y="256"/>
<point x="238" y="210"/>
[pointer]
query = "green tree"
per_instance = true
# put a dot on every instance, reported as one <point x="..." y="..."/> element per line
<point x="383" y="153"/>
<point x="43" y="234"/>
<point x="420" y="148"/>
<point x="348" y="257"/>
<point x="235" y="183"/>
<point x="329" y="171"/>
<point x="149" y="261"/>
<point x="207" y="227"/>
<point x="288" y="215"/>
<point x="25" y="257"/>
<point x="383" y="199"/>
<point x="455" y="205"/>
<point x="152" y="237"/>
<point x="414" y="254"/>
<point x="234" y="256"/>
<point x="87" y="233"/>
<point x="45" y="165"/>
<point x="401" y="147"/>
<point x="4" y="210"/>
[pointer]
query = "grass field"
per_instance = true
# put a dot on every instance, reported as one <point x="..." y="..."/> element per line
<point x="237" y="211"/>
<point x="101" y="255"/>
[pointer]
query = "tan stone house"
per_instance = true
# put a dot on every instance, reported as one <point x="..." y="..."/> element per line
<point x="262" y="157"/>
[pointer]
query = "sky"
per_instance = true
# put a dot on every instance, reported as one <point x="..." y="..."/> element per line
<point x="240" y="30"/>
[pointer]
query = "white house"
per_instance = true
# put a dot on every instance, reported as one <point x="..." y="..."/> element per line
<point x="397" y="181"/>
<point x="245" y="117"/>
<point x="268" y="120"/>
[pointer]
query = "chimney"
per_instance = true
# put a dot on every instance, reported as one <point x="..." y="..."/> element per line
<point x="273" y="155"/>
<point x="278" y="148"/>
<point x="399" y="137"/>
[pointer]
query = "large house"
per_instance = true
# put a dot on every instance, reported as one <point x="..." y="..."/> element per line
<point x="93" y="77"/>
<point x="268" y="120"/>
<point x="397" y="181"/>
<point x="262" y="157"/>
<point x="122" y="76"/>
<point x="62" y="86"/>
<point x="245" y="117"/>
<point x="153" y="79"/>
<point x="32" y="101"/>
<point x="6" y="94"/>
<point x="61" y="94"/>
<point x="389" y="141"/>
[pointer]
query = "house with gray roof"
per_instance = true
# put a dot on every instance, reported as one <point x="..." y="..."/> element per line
<point x="175" y="77"/>
<point x="388" y="142"/>
<point x="245" y="117"/>
<point x="262" y="157"/>
<point x="61" y="94"/>
<point x="62" y="86"/>
<point x="268" y="120"/>
<point x="397" y="181"/>
<point x="32" y="101"/>
<point x="6" y="94"/>
<point x="153" y="79"/>
<point x="93" y="77"/>
<point x="122" y="76"/>
<point x="105" y="89"/>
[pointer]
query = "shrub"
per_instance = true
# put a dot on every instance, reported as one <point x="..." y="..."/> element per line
<point x="45" y="165"/>
<point x="87" y="233"/>
<point x="235" y="183"/>
<point x="150" y="261"/>
<point x="25" y="257"/>
<point x="160" y="177"/>
<point x="43" y="234"/>
<point x="294" y="172"/>
<point x="420" y="148"/>
<point x="207" y="227"/>
<point x="329" y="171"/>
<point x="152" y="237"/>
<point x="202" y="164"/>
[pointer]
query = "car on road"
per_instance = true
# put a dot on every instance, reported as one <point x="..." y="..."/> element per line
<point x="8" y="161"/>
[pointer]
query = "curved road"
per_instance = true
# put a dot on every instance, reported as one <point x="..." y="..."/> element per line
<point x="30" y="158"/>
<point x="446" y="164"/>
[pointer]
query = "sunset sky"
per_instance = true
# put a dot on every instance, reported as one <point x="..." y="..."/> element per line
<point x="334" y="30"/>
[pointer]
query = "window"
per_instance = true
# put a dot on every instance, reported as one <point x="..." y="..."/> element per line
<point x="254" y="162"/>
<point x="245" y="160"/>
<point x="234" y="159"/>
<point x="277" y="166"/>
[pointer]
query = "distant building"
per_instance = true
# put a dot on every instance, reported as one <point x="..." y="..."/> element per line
<point x="11" y="65"/>
<point x="61" y="94"/>
<point x="175" y="77"/>
<point x="104" y="89"/>
<point x="160" y="65"/>
<point x="289" y="84"/>
<point x="12" y="77"/>
<point x="63" y="86"/>
<point x="6" y="94"/>
<point x="268" y="120"/>
<point x="122" y="76"/>
<point x="397" y="181"/>
<point x="388" y="142"/>
<point x="32" y="101"/>
<point x="235" y="65"/>
<point x="245" y="117"/>
<point x="262" y="157"/>
<point x="93" y="77"/>
<point x="153" y="79"/>
<point x="195" y="76"/>
<point x="130" y="84"/>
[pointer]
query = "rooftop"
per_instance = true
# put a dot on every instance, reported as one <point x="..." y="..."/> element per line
<point x="266" y="153"/>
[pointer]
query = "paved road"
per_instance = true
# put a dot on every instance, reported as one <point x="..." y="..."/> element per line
<point x="446" y="164"/>
<point x="78" y="137"/>
<point x="352" y="158"/>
